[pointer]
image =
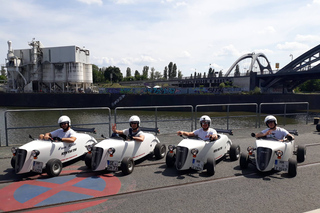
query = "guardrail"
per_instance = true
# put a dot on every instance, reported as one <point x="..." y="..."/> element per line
<point x="228" y="111"/>
<point x="156" y="113"/>
<point x="55" y="109"/>
<point x="285" y="109"/>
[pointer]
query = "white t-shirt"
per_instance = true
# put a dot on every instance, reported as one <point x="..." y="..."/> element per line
<point x="279" y="133"/>
<point x="61" y="134"/>
<point x="205" y="135"/>
<point x="126" y="132"/>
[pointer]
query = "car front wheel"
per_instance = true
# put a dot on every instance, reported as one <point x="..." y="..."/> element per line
<point x="211" y="164"/>
<point x="234" y="152"/>
<point x="13" y="161"/>
<point x="54" y="167"/>
<point x="301" y="154"/>
<point x="160" y="151"/>
<point x="244" y="160"/>
<point x="292" y="171"/>
<point x="170" y="159"/>
<point x="127" y="165"/>
<point x="88" y="159"/>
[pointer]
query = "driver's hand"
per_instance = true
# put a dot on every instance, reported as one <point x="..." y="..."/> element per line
<point x="114" y="128"/>
<point x="179" y="132"/>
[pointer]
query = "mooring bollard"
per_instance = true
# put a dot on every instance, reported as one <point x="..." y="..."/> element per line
<point x="315" y="120"/>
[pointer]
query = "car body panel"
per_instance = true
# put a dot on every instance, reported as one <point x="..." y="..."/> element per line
<point x="48" y="150"/>
<point x="123" y="148"/>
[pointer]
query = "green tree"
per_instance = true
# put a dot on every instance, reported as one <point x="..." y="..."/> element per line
<point x="157" y="75"/>
<point x="137" y="75"/>
<point x="170" y="70"/>
<point x="165" y="73"/>
<point x="220" y="74"/>
<point x="152" y="73"/>
<point x="128" y="72"/>
<point x="310" y="86"/>
<point x="174" y="71"/>
<point x="179" y="74"/>
<point x="97" y="74"/>
<point x="145" y="72"/>
<point x="237" y="71"/>
<point x="116" y="74"/>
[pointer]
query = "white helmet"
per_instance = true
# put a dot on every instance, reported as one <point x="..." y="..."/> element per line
<point x="270" y="118"/>
<point x="206" y="119"/>
<point x="134" y="118"/>
<point x="64" y="119"/>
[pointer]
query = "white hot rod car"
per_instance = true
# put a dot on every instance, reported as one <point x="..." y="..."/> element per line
<point x="38" y="155"/>
<point x="271" y="154"/>
<point x="119" y="152"/>
<point x="198" y="154"/>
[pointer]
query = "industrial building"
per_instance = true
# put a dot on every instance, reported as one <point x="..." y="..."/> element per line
<point x="48" y="69"/>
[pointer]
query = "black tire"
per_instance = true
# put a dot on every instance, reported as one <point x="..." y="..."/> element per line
<point x="211" y="165"/>
<point x="234" y="152"/>
<point x="170" y="159"/>
<point x="301" y="154"/>
<point x="54" y="167"/>
<point x="127" y="165"/>
<point x="160" y="151"/>
<point x="318" y="127"/>
<point x="13" y="161"/>
<point x="88" y="160"/>
<point x="244" y="160"/>
<point x="292" y="171"/>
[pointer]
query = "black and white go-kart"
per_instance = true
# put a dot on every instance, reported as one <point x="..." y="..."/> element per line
<point x="271" y="154"/>
<point x="49" y="155"/>
<point x="117" y="153"/>
<point x="198" y="154"/>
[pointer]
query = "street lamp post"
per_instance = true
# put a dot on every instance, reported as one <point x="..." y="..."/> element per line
<point x="291" y="57"/>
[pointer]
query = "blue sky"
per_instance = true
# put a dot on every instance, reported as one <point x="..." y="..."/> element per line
<point x="192" y="34"/>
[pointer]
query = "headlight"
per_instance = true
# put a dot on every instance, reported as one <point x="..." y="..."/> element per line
<point x="14" y="150"/>
<point x="111" y="151"/>
<point x="171" y="148"/>
<point x="194" y="152"/>
<point x="35" y="153"/>
<point x="250" y="149"/>
<point x="89" y="148"/>
<point x="279" y="153"/>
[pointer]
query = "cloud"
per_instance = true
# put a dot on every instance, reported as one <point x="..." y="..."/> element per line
<point x="292" y="46"/>
<point x="99" y="2"/>
<point x="227" y="51"/>
<point x="267" y="30"/>
<point x="308" y="38"/>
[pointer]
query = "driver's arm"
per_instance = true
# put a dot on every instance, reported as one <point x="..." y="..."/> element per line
<point x="138" y="138"/>
<point x="69" y="140"/>
<point x="188" y="134"/>
<point x="47" y="136"/>
<point x="261" y="134"/>
<point x="114" y="129"/>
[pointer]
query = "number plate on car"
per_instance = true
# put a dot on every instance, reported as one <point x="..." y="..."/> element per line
<point x="197" y="165"/>
<point x="37" y="166"/>
<point x="113" y="165"/>
<point x="280" y="165"/>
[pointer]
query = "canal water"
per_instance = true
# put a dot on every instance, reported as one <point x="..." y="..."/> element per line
<point x="22" y="124"/>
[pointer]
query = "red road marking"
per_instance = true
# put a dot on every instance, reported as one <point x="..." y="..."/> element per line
<point x="8" y="203"/>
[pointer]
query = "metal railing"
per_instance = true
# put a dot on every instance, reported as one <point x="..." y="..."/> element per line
<point x="285" y="114"/>
<point x="156" y="120"/>
<point x="228" y="111"/>
<point x="53" y="109"/>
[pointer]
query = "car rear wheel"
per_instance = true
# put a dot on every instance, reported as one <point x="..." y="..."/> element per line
<point x="160" y="151"/>
<point x="127" y="165"/>
<point x="54" y="167"/>
<point x="88" y="159"/>
<point x="170" y="159"/>
<point x="211" y="164"/>
<point x="244" y="160"/>
<point x="234" y="152"/>
<point x="301" y="154"/>
<point x="292" y="171"/>
<point x="13" y="161"/>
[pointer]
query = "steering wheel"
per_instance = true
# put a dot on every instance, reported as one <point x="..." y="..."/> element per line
<point x="56" y="139"/>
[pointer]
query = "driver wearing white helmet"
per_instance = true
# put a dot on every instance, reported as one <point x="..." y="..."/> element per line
<point x="273" y="131"/>
<point x="205" y="133"/>
<point x="64" y="134"/>
<point x="132" y="133"/>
